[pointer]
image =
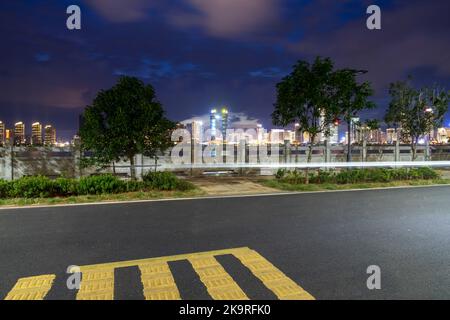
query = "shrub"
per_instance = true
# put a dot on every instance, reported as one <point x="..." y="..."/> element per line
<point x="5" y="187"/>
<point x="281" y="173"/>
<point x="65" y="187"/>
<point x="350" y="176"/>
<point x="424" y="173"/>
<point x="322" y="177"/>
<point x="400" y="174"/>
<point x="294" y="177"/>
<point x="101" y="185"/>
<point x="43" y="187"/>
<point x="165" y="181"/>
<point x="32" y="187"/>
<point x="132" y="186"/>
<point x="184" y="185"/>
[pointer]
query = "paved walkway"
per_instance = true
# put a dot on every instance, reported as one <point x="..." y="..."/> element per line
<point x="231" y="185"/>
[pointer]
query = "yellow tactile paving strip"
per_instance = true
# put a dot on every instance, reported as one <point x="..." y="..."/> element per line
<point x="97" y="284"/>
<point x="218" y="282"/>
<point x="158" y="283"/>
<point x="31" y="288"/>
<point x="275" y="280"/>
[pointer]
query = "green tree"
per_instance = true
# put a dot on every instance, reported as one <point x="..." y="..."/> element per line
<point x="160" y="140"/>
<point x="366" y="127"/>
<point x="306" y="96"/>
<point x="124" y="121"/>
<point x="416" y="111"/>
<point x="352" y="98"/>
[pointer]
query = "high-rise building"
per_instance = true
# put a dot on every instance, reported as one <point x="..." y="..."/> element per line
<point x="334" y="133"/>
<point x="277" y="136"/>
<point x="36" y="134"/>
<point x="8" y="136"/>
<point x="213" y="123"/>
<point x="391" y="135"/>
<point x="373" y="136"/>
<point x="224" y="122"/>
<point x="19" y="133"/>
<point x="298" y="134"/>
<point x="49" y="135"/>
<point x="260" y="133"/>
<point x="442" y="136"/>
<point x="2" y="133"/>
<point x="218" y="122"/>
<point x="197" y="131"/>
<point x="355" y="135"/>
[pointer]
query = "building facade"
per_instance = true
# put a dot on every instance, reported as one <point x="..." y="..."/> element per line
<point x="36" y="134"/>
<point x="2" y="133"/>
<point x="49" y="135"/>
<point x="19" y="133"/>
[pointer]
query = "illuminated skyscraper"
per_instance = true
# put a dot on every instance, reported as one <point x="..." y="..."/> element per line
<point x="276" y="136"/>
<point x="8" y="136"/>
<point x="50" y="135"/>
<point x="213" y="121"/>
<point x="19" y="133"/>
<point x="224" y="122"/>
<point x="355" y="136"/>
<point x="391" y="135"/>
<point x="334" y="133"/>
<point x="218" y="122"/>
<point x="197" y="131"/>
<point x="2" y="133"/>
<point x="333" y="128"/>
<point x="260" y="133"/>
<point x="36" y="134"/>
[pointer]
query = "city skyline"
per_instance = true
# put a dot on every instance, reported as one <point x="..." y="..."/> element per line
<point x="34" y="134"/>
<point x="212" y="121"/>
<point x="60" y="71"/>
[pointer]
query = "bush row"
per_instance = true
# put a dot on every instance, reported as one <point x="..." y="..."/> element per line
<point x="43" y="187"/>
<point x="358" y="175"/>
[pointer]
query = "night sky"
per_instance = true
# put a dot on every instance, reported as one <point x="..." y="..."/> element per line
<point x="204" y="53"/>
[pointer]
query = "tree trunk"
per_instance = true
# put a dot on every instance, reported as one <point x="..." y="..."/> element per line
<point x="156" y="163"/>
<point x="414" y="151"/>
<point x="114" y="168"/>
<point x="308" y="160"/>
<point x="349" y="142"/>
<point x="132" y="168"/>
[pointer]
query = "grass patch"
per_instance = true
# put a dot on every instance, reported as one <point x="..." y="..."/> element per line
<point x="129" y="196"/>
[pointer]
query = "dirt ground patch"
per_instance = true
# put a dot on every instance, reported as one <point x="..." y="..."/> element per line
<point x="231" y="185"/>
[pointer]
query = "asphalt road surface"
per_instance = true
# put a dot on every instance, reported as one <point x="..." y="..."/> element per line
<point x="322" y="243"/>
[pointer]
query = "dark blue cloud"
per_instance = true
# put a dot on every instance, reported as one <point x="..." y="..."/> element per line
<point x="198" y="54"/>
<point x="42" y="57"/>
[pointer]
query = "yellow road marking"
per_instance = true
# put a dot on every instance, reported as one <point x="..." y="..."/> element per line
<point x="218" y="282"/>
<point x="283" y="287"/>
<point x="179" y="257"/>
<point x="97" y="284"/>
<point x="31" y="288"/>
<point x="158" y="282"/>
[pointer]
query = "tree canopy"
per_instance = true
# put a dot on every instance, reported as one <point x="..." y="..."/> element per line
<point x="306" y="96"/>
<point x="124" y="121"/>
<point x="416" y="111"/>
<point x="316" y="96"/>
